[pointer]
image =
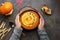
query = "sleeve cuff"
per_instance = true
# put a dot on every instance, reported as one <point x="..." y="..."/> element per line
<point x="42" y="31"/>
<point x="18" y="31"/>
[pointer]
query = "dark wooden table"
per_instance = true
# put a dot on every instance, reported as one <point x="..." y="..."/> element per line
<point x="52" y="23"/>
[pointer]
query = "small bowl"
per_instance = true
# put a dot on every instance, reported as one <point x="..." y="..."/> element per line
<point x="29" y="19"/>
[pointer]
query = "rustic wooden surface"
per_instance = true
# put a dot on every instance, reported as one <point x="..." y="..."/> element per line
<point x="52" y="22"/>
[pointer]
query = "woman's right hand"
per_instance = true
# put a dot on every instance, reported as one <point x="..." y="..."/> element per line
<point x="41" y="24"/>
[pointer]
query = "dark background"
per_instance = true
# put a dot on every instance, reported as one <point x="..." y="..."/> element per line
<point x="52" y="22"/>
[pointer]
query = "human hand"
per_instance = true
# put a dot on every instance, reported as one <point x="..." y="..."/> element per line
<point x="41" y="24"/>
<point x="17" y="22"/>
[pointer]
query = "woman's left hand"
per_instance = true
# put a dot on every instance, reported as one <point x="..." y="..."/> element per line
<point x="17" y="22"/>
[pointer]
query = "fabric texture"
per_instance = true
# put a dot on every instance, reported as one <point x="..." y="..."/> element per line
<point x="17" y="34"/>
<point x="43" y="34"/>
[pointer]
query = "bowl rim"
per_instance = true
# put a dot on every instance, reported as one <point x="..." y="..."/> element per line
<point x="28" y="11"/>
